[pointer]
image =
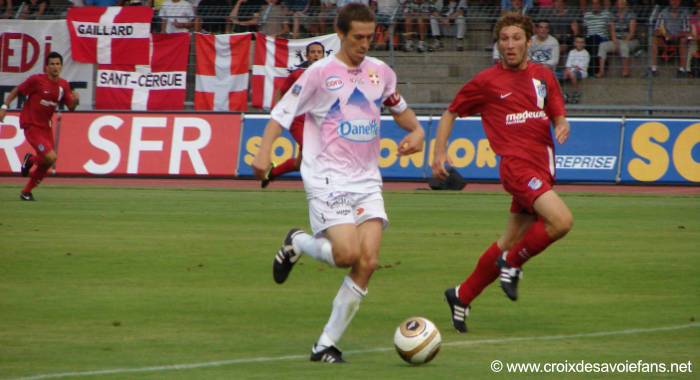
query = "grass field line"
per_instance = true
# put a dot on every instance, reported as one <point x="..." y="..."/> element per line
<point x="352" y="352"/>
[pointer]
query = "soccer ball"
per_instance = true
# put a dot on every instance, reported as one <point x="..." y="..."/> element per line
<point x="417" y="340"/>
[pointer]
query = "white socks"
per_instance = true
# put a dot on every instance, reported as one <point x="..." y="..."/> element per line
<point x="345" y="305"/>
<point x="319" y="248"/>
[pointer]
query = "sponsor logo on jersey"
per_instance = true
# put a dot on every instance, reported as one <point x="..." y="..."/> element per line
<point x="359" y="130"/>
<point x="535" y="183"/>
<point x="334" y="83"/>
<point x="373" y="77"/>
<point x="522" y="117"/>
<point x="47" y="103"/>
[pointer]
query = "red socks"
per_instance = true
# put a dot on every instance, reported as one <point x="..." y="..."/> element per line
<point x="37" y="175"/>
<point x="285" y="167"/>
<point x="535" y="241"/>
<point x="486" y="272"/>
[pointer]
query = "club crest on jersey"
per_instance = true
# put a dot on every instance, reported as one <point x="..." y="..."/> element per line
<point x="540" y="91"/>
<point x="373" y="77"/>
<point x="535" y="183"/>
<point x="334" y="83"/>
<point x="359" y="130"/>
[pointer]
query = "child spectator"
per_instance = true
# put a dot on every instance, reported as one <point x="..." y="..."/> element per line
<point x="576" y="68"/>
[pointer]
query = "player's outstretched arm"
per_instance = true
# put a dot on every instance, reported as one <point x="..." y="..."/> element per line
<point x="261" y="163"/>
<point x="76" y="100"/>
<point x="414" y="141"/>
<point x="447" y="120"/>
<point x="10" y="98"/>
<point x="561" y="129"/>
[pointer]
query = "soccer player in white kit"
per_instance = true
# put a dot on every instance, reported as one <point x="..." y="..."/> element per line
<point x="341" y="96"/>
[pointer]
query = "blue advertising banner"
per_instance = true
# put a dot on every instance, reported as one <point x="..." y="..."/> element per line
<point x="591" y="152"/>
<point x="468" y="150"/>
<point x="658" y="151"/>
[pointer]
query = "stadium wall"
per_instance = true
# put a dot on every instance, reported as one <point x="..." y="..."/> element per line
<point x="606" y="150"/>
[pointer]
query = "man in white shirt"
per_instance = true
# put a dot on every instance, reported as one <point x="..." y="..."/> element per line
<point x="177" y="16"/>
<point x="544" y="48"/>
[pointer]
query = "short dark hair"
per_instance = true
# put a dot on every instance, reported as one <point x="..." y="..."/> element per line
<point x="353" y="12"/>
<point x="514" y="19"/>
<point x="315" y="43"/>
<point x="53" y="54"/>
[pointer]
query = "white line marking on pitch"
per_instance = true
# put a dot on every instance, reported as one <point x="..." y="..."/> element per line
<point x="354" y="352"/>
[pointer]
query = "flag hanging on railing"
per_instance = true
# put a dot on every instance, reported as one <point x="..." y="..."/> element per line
<point x="110" y="35"/>
<point x="222" y="71"/>
<point x="274" y="59"/>
<point x="158" y="86"/>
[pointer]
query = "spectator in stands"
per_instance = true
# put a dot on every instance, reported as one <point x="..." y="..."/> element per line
<point x="245" y="16"/>
<point x="211" y="16"/>
<point x="416" y="17"/>
<point x="622" y="40"/>
<point x="597" y="23"/>
<point x="576" y="68"/>
<point x="693" y="42"/>
<point x="453" y="12"/>
<point x="563" y="24"/>
<point x="671" y="33"/>
<point x="274" y="20"/>
<point x="583" y="6"/>
<point x="326" y="15"/>
<point x="33" y="9"/>
<point x="386" y="10"/>
<point x="7" y="12"/>
<point x="177" y="16"/>
<point x="544" y="48"/>
<point x="524" y="7"/>
<point x="103" y="3"/>
<point x="296" y="10"/>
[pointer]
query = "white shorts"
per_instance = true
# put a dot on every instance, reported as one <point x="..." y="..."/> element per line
<point x="345" y="208"/>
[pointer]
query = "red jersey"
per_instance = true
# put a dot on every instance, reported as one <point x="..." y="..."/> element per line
<point x="515" y="107"/>
<point x="298" y="123"/>
<point x="43" y="96"/>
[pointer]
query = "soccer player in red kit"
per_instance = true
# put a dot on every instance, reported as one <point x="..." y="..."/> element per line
<point x="517" y="101"/>
<point x="44" y="92"/>
<point x="314" y="52"/>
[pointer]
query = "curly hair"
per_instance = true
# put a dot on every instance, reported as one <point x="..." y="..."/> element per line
<point x="514" y="19"/>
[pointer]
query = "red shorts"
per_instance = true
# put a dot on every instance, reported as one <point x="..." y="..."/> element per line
<point x="297" y="129"/>
<point x="41" y="139"/>
<point x="525" y="183"/>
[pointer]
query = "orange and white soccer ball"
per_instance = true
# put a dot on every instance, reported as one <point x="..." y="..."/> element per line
<point x="417" y="340"/>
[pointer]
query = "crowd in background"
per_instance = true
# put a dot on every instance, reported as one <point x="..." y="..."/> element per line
<point x="607" y="26"/>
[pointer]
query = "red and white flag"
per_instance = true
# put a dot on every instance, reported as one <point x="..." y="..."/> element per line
<point x="222" y="72"/>
<point x="110" y="35"/>
<point x="274" y="59"/>
<point x="158" y="86"/>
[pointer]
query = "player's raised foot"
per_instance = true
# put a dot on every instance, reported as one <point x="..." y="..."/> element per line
<point x="459" y="310"/>
<point x="26" y="164"/>
<point x="509" y="277"/>
<point x="268" y="176"/>
<point x="26" y="196"/>
<point x="285" y="258"/>
<point x="328" y="354"/>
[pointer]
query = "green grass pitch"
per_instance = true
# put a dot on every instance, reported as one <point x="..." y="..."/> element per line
<point x="176" y="283"/>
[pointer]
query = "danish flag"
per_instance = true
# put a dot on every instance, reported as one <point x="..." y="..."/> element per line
<point x="110" y="35"/>
<point x="158" y="86"/>
<point x="222" y="78"/>
<point x="275" y="58"/>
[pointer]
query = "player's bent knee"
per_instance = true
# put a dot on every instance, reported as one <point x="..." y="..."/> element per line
<point x="345" y="256"/>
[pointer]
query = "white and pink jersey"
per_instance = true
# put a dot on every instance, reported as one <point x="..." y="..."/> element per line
<point x="342" y="105"/>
